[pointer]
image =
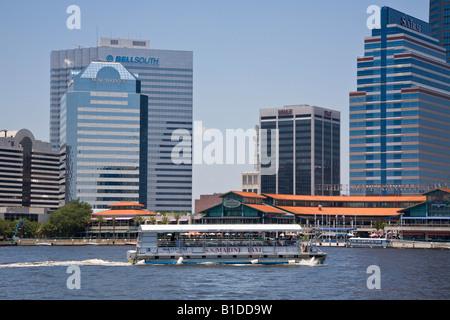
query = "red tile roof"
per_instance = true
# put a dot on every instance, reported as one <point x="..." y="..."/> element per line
<point x="349" y="212"/>
<point x="264" y="208"/>
<point x="346" y="198"/>
<point x="124" y="212"/>
<point x="245" y="194"/>
<point x="127" y="204"/>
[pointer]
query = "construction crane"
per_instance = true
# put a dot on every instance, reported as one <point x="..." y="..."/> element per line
<point x="21" y="223"/>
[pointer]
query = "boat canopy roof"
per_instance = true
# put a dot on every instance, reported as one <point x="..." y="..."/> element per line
<point x="221" y="228"/>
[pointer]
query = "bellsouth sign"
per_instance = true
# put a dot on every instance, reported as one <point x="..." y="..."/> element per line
<point x="126" y="59"/>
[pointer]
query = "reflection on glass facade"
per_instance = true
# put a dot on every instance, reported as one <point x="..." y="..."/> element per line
<point x="309" y="150"/>
<point x="399" y="115"/>
<point x="100" y="137"/>
<point x="440" y="23"/>
<point x="166" y="77"/>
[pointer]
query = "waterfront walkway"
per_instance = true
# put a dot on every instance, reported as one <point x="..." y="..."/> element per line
<point x="68" y="242"/>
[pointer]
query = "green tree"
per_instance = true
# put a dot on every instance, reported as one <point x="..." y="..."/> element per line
<point x="100" y="221"/>
<point x="69" y="220"/>
<point x="138" y="220"/>
<point x="379" y="225"/>
<point x="30" y="228"/>
<point x="165" y="220"/>
<point x="176" y="216"/>
<point x="6" y="228"/>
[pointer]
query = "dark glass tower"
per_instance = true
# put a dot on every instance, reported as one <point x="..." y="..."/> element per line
<point x="440" y="23"/>
<point x="308" y="154"/>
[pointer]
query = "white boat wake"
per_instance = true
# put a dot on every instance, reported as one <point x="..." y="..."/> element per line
<point x="89" y="262"/>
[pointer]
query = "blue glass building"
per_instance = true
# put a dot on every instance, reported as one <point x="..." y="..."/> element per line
<point x="103" y="137"/>
<point x="399" y="115"/>
<point x="166" y="77"/>
<point x="440" y="23"/>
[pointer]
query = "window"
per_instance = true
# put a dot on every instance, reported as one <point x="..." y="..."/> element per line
<point x="114" y="42"/>
<point x="139" y="43"/>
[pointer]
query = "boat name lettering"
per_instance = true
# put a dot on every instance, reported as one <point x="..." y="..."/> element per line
<point x="233" y="250"/>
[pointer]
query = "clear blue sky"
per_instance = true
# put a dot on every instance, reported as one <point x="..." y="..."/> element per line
<point x="248" y="54"/>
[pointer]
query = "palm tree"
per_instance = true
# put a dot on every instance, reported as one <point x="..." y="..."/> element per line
<point x="100" y="220"/>
<point x="177" y="216"/>
<point x="114" y="226"/>
<point x="138" y="220"/>
<point x="165" y="220"/>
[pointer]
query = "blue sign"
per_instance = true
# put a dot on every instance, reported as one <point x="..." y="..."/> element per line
<point x="143" y="60"/>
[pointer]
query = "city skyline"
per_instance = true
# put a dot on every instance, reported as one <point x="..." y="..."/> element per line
<point x="265" y="65"/>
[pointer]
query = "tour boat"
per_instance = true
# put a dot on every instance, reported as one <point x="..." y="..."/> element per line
<point x="224" y="244"/>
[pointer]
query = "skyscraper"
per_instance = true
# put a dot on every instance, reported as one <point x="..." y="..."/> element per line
<point x="103" y="137"/>
<point x="308" y="152"/>
<point x="166" y="77"/>
<point x="440" y="23"/>
<point x="29" y="171"/>
<point x="399" y="115"/>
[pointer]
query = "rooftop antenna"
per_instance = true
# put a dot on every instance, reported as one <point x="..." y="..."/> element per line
<point x="79" y="46"/>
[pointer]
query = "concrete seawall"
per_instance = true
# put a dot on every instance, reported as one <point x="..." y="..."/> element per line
<point x="69" y="242"/>
<point x="420" y="244"/>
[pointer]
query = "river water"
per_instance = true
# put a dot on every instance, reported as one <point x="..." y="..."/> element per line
<point x="41" y="273"/>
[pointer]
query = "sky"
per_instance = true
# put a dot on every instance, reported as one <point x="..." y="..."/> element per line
<point x="248" y="55"/>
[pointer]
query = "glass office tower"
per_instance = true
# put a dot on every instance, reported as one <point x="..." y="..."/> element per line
<point x="103" y="137"/>
<point x="440" y="23"/>
<point x="399" y="115"/>
<point x="308" y="151"/>
<point x="167" y="79"/>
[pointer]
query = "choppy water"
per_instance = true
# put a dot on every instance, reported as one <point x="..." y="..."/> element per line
<point x="39" y="273"/>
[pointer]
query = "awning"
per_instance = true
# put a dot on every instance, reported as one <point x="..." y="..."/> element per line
<point x="337" y="229"/>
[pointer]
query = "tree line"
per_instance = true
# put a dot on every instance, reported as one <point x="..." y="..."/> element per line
<point x="67" y="221"/>
<point x="70" y="220"/>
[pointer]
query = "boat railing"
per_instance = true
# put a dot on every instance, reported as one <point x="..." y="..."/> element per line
<point x="226" y="243"/>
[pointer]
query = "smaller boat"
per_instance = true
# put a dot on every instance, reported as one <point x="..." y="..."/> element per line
<point x="43" y="244"/>
<point x="369" y="242"/>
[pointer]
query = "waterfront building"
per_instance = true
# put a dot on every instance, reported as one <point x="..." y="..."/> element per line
<point x="345" y="211"/>
<point x="103" y="137"/>
<point x="309" y="211"/>
<point x="239" y="207"/>
<point x="308" y="154"/>
<point x="206" y="201"/>
<point x="399" y="115"/>
<point x="167" y="79"/>
<point x="440" y="23"/>
<point x="428" y="220"/>
<point x="120" y="221"/>
<point x="29" y="176"/>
